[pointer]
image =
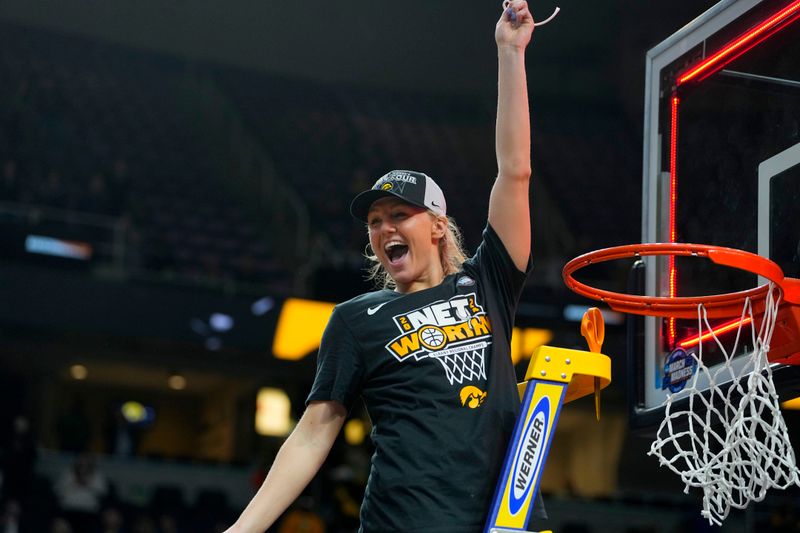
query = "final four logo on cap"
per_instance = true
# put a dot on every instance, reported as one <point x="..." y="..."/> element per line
<point x="410" y="186"/>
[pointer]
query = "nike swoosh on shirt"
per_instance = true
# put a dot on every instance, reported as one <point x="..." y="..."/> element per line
<point x="372" y="310"/>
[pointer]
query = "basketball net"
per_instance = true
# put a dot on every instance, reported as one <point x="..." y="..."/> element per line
<point x="736" y="446"/>
<point x="459" y="366"/>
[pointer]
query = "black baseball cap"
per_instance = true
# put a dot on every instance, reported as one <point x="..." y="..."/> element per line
<point x="413" y="187"/>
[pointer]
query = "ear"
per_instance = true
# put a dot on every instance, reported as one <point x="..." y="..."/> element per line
<point x="439" y="227"/>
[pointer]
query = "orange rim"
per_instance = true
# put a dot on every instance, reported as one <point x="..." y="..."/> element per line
<point x="718" y="306"/>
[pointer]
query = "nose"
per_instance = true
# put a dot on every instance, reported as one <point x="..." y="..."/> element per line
<point x="387" y="226"/>
<point x="381" y="232"/>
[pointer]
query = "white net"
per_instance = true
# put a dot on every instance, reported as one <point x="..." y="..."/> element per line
<point x="730" y="439"/>
<point x="467" y="365"/>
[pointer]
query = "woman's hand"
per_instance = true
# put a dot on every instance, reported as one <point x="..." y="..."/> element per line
<point x="515" y="26"/>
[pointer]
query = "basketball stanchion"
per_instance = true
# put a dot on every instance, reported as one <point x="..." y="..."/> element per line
<point x="729" y="438"/>
<point x="555" y="376"/>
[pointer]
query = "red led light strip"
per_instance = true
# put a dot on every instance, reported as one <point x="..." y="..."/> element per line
<point x="719" y="330"/>
<point x="743" y="43"/>
<point x="673" y="200"/>
<point x="705" y="68"/>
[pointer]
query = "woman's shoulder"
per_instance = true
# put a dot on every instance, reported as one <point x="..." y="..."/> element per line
<point x="368" y="302"/>
<point x="368" y="298"/>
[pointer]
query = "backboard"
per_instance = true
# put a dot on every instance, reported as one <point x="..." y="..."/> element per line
<point x="721" y="167"/>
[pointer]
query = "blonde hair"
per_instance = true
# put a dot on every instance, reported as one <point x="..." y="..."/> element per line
<point x="451" y="254"/>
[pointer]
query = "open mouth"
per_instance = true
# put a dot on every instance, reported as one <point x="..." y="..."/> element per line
<point x="395" y="252"/>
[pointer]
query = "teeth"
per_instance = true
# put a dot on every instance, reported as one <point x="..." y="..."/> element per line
<point x="391" y="245"/>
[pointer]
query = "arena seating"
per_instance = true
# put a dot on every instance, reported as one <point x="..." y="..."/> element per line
<point x="98" y="129"/>
<point x="323" y="137"/>
<point x="331" y="142"/>
<point x="104" y="129"/>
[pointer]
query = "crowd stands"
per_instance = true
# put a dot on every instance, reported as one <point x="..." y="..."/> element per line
<point x="83" y="498"/>
<point x="332" y="142"/>
<point x="322" y="137"/>
<point x="94" y="129"/>
<point x="101" y="129"/>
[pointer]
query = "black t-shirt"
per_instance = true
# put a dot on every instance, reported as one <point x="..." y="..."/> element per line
<point x="434" y="369"/>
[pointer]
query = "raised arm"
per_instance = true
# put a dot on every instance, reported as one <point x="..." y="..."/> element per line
<point x="295" y="465"/>
<point x="509" y="210"/>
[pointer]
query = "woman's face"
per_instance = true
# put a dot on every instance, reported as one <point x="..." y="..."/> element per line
<point x="405" y="239"/>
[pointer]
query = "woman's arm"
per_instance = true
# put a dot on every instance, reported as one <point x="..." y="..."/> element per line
<point x="297" y="462"/>
<point x="509" y="212"/>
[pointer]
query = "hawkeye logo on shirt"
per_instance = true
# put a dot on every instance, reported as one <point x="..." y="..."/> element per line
<point x="455" y="332"/>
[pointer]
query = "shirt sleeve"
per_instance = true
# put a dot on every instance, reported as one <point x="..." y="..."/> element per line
<point x="493" y="263"/>
<point x="340" y="366"/>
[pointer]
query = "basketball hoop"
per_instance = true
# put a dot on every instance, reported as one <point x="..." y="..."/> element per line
<point x="730" y="439"/>
<point x="717" y="306"/>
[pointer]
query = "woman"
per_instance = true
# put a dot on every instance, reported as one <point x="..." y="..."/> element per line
<point x="429" y="353"/>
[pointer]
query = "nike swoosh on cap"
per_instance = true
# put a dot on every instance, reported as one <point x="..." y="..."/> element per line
<point x="372" y="310"/>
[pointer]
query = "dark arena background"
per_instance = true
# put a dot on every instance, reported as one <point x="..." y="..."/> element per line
<point x="174" y="183"/>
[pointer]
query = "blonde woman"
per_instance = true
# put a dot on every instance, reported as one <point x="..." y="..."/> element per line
<point x="429" y="351"/>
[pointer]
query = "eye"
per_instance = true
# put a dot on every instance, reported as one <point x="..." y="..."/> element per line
<point x="373" y="222"/>
<point x="399" y="215"/>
